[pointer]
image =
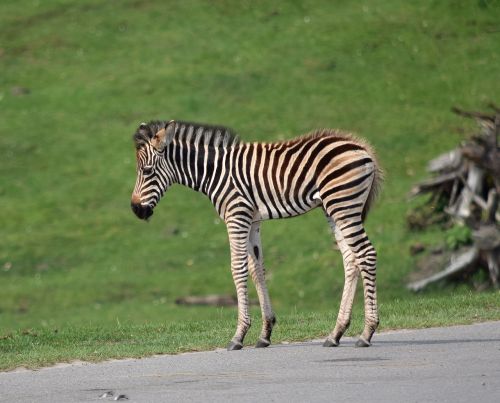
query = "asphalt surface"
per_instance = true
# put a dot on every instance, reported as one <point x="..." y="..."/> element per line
<point x="454" y="364"/>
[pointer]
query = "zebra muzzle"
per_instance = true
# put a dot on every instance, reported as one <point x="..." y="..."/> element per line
<point x="142" y="211"/>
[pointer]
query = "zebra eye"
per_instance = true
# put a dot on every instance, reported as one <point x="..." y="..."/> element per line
<point x="147" y="170"/>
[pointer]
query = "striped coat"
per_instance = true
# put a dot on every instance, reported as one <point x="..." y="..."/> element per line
<point x="251" y="182"/>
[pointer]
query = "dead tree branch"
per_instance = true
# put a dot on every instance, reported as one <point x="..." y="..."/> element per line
<point x="468" y="177"/>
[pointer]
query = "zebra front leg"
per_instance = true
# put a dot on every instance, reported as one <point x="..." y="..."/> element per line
<point x="238" y="239"/>
<point x="257" y="271"/>
<point x="351" y="274"/>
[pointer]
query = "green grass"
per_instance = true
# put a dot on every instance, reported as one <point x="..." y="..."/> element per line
<point x="33" y="348"/>
<point x="72" y="255"/>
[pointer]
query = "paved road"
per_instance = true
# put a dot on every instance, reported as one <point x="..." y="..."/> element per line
<point x="455" y="364"/>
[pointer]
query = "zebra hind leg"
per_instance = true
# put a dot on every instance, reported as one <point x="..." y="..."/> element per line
<point x="367" y="262"/>
<point x="359" y="258"/>
<point x="351" y="274"/>
<point x="257" y="271"/>
<point x="365" y="258"/>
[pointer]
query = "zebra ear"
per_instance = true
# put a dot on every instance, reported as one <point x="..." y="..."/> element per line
<point x="164" y="136"/>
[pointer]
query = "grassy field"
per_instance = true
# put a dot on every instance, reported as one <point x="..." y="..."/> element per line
<point x="83" y="278"/>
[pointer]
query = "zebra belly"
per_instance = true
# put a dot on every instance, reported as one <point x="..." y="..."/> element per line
<point x="269" y="212"/>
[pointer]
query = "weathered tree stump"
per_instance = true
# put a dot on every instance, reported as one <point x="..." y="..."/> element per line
<point x="468" y="180"/>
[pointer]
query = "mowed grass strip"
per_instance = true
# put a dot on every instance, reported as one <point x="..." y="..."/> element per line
<point x="37" y="347"/>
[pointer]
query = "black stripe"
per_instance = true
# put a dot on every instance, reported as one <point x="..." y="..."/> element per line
<point x="349" y="197"/>
<point x="267" y="185"/>
<point x="258" y="187"/>
<point x="274" y="177"/>
<point x="347" y="216"/>
<point x="330" y="155"/>
<point x="359" y="241"/>
<point x="355" y="234"/>
<point x="345" y="186"/>
<point x="353" y="224"/>
<point x="248" y="167"/>
<point x="346" y="168"/>
<point x="342" y="208"/>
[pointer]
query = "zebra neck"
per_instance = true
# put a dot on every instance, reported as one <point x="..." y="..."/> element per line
<point x="201" y="167"/>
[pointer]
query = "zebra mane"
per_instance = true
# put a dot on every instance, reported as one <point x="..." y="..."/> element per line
<point x="212" y="135"/>
<point x="336" y="134"/>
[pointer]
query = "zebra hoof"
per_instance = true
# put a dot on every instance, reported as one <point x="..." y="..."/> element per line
<point x="262" y="343"/>
<point x="330" y="343"/>
<point x="233" y="345"/>
<point x="362" y="343"/>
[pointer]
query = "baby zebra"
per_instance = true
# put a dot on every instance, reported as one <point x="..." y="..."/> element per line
<point x="251" y="182"/>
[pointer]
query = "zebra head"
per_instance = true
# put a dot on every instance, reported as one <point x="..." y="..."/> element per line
<point x="153" y="174"/>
